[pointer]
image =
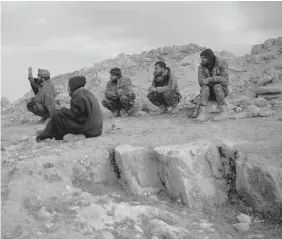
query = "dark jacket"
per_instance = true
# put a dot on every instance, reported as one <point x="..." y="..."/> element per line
<point x="83" y="117"/>
<point x="219" y="73"/>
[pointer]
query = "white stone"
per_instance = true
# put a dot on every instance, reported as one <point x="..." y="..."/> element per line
<point x="242" y="227"/>
<point x="138" y="168"/>
<point x="252" y="111"/>
<point x="261" y="102"/>
<point x="193" y="173"/>
<point x="243" y="218"/>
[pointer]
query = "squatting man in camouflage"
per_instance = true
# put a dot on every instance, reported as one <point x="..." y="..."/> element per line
<point x="164" y="91"/>
<point x="119" y="94"/>
<point x="213" y="79"/>
<point x="42" y="103"/>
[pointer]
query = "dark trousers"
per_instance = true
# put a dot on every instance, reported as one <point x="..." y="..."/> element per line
<point x="38" y="109"/>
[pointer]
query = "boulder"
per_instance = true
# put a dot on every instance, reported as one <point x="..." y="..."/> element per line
<point x="242" y="101"/>
<point x="268" y="43"/>
<point x="5" y="102"/>
<point x="265" y="112"/>
<point x="252" y="111"/>
<point x="279" y="66"/>
<point x="256" y="49"/>
<point x="195" y="173"/>
<point x="263" y="81"/>
<point x="243" y="218"/>
<point x="270" y="96"/>
<point x="260" y="102"/>
<point x="242" y="227"/>
<point x="268" y="90"/>
<point x="277" y="74"/>
<point x="260" y="185"/>
<point x="139" y="169"/>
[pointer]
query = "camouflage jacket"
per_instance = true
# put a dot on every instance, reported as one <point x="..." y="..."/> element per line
<point x="219" y="73"/>
<point x="124" y="84"/>
<point x="164" y="85"/>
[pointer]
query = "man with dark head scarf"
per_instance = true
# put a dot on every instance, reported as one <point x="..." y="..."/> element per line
<point x="119" y="94"/>
<point x="83" y="117"/>
<point x="45" y="94"/>
<point x="213" y="79"/>
<point x="164" y="91"/>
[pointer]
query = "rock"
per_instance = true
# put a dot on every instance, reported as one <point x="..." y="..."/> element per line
<point x="280" y="118"/>
<point x="73" y="138"/>
<point x="265" y="113"/>
<point x="268" y="90"/>
<point x="154" y="237"/>
<point x="258" y="236"/>
<point x="260" y="185"/>
<point x="252" y="111"/>
<point x="242" y="227"/>
<point x="263" y="81"/>
<point x="243" y="218"/>
<point x="241" y="100"/>
<point x="256" y="49"/>
<point x="142" y="113"/>
<point x="260" y="102"/>
<point x="106" y="235"/>
<point x="277" y="74"/>
<point x="194" y="173"/>
<point x="5" y="103"/>
<point x="270" y="96"/>
<point x="163" y="230"/>
<point x="279" y="66"/>
<point x="138" y="168"/>
<point x="268" y="43"/>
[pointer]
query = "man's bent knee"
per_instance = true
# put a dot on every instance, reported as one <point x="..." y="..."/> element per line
<point x="170" y="98"/>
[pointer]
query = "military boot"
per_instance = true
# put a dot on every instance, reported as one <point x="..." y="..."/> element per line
<point x="223" y="115"/>
<point x="202" y="114"/>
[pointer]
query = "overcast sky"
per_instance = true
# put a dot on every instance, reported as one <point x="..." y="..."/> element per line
<point x="66" y="36"/>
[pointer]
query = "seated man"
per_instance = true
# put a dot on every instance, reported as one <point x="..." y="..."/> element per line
<point x="213" y="79"/>
<point x="119" y="94"/>
<point x="164" y="91"/>
<point x="45" y="94"/>
<point x="83" y="117"/>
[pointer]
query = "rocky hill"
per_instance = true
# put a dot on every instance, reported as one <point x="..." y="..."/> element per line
<point x="261" y="67"/>
<point x="153" y="177"/>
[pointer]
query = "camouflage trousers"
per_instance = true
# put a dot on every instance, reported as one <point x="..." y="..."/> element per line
<point x="168" y="98"/>
<point x="37" y="109"/>
<point x="123" y="102"/>
<point x="213" y="93"/>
